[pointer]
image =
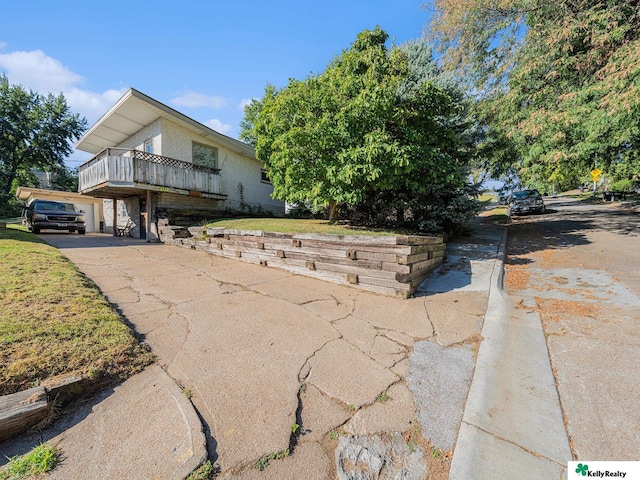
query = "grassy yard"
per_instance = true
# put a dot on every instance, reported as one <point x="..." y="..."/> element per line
<point x="496" y="215"/>
<point x="487" y="197"/>
<point x="297" y="225"/>
<point x="54" y="321"/>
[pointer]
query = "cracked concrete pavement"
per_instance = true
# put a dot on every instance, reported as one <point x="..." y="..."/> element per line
<point x="260" y="349"/>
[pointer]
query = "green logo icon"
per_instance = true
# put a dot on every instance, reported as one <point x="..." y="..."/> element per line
<point x="582" y="469"/>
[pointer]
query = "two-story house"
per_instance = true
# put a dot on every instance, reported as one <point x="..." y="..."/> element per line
<point x="151" y="160"/>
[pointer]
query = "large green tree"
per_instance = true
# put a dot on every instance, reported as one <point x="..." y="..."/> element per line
<point x="443" y="202"/>
<point x="561" y="81"/>
<point x="36" y="132"/>
<point x="363" y="125"/>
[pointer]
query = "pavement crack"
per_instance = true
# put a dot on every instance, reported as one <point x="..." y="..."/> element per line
<point x="426" y="311"/>
<point x="511" y="442"/>
<point x="302" y="374"/>
<point x="186" y="335"/>
<point x="298" y="428"/>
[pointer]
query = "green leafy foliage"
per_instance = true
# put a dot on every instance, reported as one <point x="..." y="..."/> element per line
<point x="206" y="471"/>
<point x="36" y="131"/>
<point x="375" y="121"/>
<point x="560" y="83"/>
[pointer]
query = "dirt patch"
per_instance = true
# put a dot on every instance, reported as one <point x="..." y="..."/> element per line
<point x="555" y="310"/>
<point x="516" y="278"/>
<point x="438" y="461"/>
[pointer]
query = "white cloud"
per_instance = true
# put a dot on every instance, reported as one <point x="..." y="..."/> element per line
<point x="39" y="72"/>
<point x="3" y="45"/>
<point x="218" y="126"/>
<point x="92" y="105"/>
<point x="194" y="100"/>
<point x="244" y="102"/>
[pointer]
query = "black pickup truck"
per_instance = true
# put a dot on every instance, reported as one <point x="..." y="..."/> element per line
<point x="47" y="214"/>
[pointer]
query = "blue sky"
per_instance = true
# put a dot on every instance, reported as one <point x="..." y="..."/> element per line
<point x="203" y="58"/>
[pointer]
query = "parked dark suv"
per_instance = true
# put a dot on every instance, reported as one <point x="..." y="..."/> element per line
<point x="525" y="201"/>
<point x="47" y="214"/>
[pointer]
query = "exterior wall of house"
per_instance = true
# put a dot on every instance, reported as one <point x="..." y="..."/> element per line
<point x="107" y="207"/>
<point x="240" y="180"/>
<point x="127" y="209"/>
<point x="175" y="201"/>
<point x="240" y="175"/>
<point x="151" y="131"/>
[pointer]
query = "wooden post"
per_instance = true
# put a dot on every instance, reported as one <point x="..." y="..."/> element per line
<point x="148" y="217"/>
<point x="115" y="217"/>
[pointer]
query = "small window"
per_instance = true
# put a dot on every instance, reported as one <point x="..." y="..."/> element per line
<point x="205" y="155"/>
<point x="264" y="176"/>
<point x="148" y="146"/>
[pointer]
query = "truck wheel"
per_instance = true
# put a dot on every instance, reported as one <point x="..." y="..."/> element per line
<point x="81" y="232"/>
<point x="35" y="229"/>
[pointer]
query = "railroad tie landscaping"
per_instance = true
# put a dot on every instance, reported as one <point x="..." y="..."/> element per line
<point x="390" y="265"/>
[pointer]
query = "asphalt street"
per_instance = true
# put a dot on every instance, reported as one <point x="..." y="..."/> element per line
<point x="577" y="266"/>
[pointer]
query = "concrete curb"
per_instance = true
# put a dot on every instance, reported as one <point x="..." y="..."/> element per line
<point x="512" y="417"/>
<point x="191" y="418"/>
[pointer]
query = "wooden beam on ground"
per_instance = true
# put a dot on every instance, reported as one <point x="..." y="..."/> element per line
<point x="22" y="410"/>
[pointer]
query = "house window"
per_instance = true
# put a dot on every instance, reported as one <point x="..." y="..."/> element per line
<point x="148" y="146"/>
<point x="205" y="155"/>
<point x="264" y="176"/>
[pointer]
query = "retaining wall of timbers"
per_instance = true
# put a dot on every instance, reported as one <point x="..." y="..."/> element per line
<point x="390" y="265"/>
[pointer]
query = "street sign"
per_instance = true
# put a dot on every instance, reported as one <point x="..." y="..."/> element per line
<point x="595" y="174"/>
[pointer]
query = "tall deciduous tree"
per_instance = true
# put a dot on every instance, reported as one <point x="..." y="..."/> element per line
<point x="247" y="131"/>
<point x="363" y="125"/>
<point x="562" y="79"/>
<point x="36" y="131"/>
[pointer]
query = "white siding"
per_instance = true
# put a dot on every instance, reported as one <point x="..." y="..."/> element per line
<point x="236" y="170"/>
<point x="136" y="141"/>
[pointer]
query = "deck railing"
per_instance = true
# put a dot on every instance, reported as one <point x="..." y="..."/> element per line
<point x="122" y="167"/>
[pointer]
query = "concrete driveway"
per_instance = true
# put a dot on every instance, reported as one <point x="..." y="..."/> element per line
<point x="263" y="353"/>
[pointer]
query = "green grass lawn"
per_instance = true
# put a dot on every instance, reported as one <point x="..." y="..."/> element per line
<point x="296" y="225"/>
<point x="54" y="321"/>
<point x="36" y="463"/>
<point x="487" y="197"/>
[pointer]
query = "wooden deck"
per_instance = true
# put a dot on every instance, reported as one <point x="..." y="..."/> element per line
<point x="113" y="171"/>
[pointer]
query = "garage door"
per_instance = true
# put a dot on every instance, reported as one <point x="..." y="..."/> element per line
<point x="89" y="215"/>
